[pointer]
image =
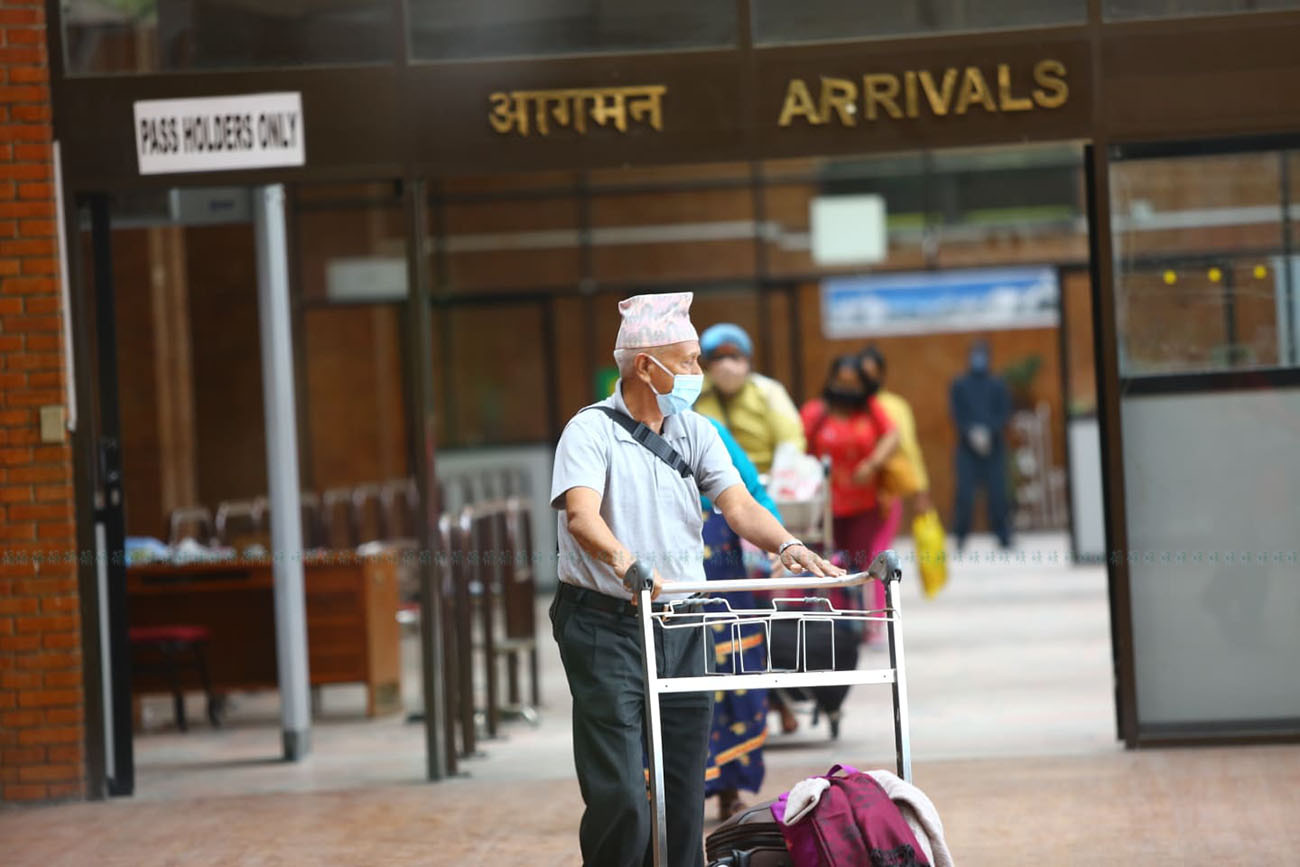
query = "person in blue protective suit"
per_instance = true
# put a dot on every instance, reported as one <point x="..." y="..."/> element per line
<point x="981" y="406"/>
<point x="739" y="718"/>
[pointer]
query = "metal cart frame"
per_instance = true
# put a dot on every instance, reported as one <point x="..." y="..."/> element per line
<point x="884" y="568"/>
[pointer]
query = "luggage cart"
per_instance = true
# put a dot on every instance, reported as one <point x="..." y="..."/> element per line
<point x="687" y="614"/>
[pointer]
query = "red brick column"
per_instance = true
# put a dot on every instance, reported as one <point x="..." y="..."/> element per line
<point x="41" y="728"/>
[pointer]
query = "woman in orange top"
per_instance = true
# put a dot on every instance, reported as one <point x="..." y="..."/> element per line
<point x="847" y="425"/>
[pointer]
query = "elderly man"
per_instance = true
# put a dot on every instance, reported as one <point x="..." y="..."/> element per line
<point x="756" y="409"/>
<point x="631" y="508"/>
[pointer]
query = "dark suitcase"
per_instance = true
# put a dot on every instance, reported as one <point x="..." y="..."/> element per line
<point x="819" y="654"/>
<point x="748" y="839"/>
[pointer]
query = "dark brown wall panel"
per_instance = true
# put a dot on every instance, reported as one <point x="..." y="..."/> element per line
<point x="1201" y="77"/>
<point x="1076" y="297"/>
<point x="354" y="382"/>
<point x="231" y="450"/>
<point x="137" y="386"/>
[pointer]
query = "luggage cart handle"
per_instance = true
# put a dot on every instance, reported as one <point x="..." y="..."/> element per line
<point x="884" y="568"/>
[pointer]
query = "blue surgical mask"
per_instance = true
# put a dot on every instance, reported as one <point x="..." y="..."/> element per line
<point x="686" y="389"/>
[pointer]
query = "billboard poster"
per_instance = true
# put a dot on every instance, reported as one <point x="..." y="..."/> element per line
<point x="926" y="302"/>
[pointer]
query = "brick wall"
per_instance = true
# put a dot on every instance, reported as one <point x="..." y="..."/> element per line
<point x="41" y="729"/>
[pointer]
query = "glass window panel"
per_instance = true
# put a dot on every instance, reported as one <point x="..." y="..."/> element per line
<point x="1009" y="205"/>
<point x="355" y="406"/>
<point x="499" y="376"/>
<point x="777" y="21"/>
<point x="577" y="356"/>
<point x="150" y="36"/>
<point x="792" y="186"/>
<point x="452" y="29"/>
<point x="350" y="253"/>
<point x="1124" y="9"/>
<point x="962" y="208"/>
<point x="1200" y="276"/>
<point x="672" y="235"/>
<point x="498" y="243"/>
<point x="351" y="242"/>
<point x="740" y="306"/>
<point x="1201" y="519"/>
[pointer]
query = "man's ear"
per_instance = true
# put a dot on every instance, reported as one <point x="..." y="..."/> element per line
<point x="641" y="366"/>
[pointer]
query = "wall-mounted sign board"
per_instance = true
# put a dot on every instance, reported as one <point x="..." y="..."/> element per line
<point x="219" y="133"/>
<point x="930" y="302"/>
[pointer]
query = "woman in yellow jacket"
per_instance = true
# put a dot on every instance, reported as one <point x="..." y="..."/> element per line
<point x="900" y="413"/>
<point x="755" y="409"/>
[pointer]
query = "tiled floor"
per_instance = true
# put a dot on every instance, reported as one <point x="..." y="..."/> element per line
<point x="1013" y="737"/>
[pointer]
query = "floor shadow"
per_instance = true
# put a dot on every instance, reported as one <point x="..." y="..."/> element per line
<point x="212" y="765"/>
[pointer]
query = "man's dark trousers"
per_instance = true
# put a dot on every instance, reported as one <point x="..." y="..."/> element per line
<point x="601" y="652"/>
<point x="990" y="473"/>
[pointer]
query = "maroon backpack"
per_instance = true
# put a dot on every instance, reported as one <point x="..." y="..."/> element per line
<point x="854" y="823"/>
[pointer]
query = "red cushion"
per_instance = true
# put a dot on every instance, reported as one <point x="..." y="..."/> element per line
<point x="158" y="634"/>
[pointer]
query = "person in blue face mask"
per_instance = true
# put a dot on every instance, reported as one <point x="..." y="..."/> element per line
<point x="629" y="473"/>
<point x="981" y="407"/>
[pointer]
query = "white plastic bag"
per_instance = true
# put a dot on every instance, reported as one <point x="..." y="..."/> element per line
<point x="795" y="476"/>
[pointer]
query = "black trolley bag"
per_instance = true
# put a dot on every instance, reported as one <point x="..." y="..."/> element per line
<point x="748" y="839"/>
<point x="819" y="654"/>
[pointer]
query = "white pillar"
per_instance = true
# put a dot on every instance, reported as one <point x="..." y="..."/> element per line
<point x="282" y="469"/>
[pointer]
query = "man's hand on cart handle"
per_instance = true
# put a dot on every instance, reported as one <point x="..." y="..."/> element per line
<point x="798" y="558"/>
<point x="634" y="577"/>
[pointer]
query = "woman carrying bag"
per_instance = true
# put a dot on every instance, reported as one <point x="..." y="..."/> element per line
<point x="848" y="425"/>
<point x="909" y="481"/>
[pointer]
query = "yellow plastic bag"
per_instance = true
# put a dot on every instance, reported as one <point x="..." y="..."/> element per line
<point x="931" y="552"/>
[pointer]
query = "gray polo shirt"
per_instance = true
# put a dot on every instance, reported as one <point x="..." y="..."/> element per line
<point x="648" y="506"/>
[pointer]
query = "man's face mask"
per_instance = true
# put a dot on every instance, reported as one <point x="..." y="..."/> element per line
<point x="729" y="373"/>
<point x="686" y="388"/>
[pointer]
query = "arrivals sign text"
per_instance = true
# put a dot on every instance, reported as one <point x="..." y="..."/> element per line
<point x="918" y="93"/>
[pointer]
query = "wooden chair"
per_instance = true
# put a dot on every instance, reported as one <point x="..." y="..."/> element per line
<point x="519" y="603"/>
<point x="487" y="542"/>
<point x="458" y="720"/>
<point x="337" y="516"/>
<point x="313" y="530"/>
<point x="445" y="584"/>
<point x="191" y="522"/>
<point x="241" y="524"/>
<point x="368" y="514"/>
<point x="167" y="650"/>
<point x="463" y="576"/>
<point x="401" y="504"/>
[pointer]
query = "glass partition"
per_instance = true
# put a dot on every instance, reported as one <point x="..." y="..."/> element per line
<point x="125" y="36"/>
<point x="1125" y="9"/>
<point x="1204" y="288"/>
<point x="1199" y="263"/>
<point x="777" y="21"/>
<point x="459" y="29"/>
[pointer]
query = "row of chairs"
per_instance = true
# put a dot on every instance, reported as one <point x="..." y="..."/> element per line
<point x="484" y="571"/>
<point x="486" y="575"/>
<point x="339" y="519"/>
<point x="345" y="517"/>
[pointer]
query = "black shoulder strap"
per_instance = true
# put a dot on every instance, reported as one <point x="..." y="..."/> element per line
<point x="657" y="445"/>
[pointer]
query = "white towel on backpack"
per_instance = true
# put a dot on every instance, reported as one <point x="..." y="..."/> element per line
<point x="803" y="797"/>
<point x="919" y="813"/>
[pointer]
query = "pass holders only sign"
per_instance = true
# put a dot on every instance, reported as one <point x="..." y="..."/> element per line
<point x="219" y="133"/>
